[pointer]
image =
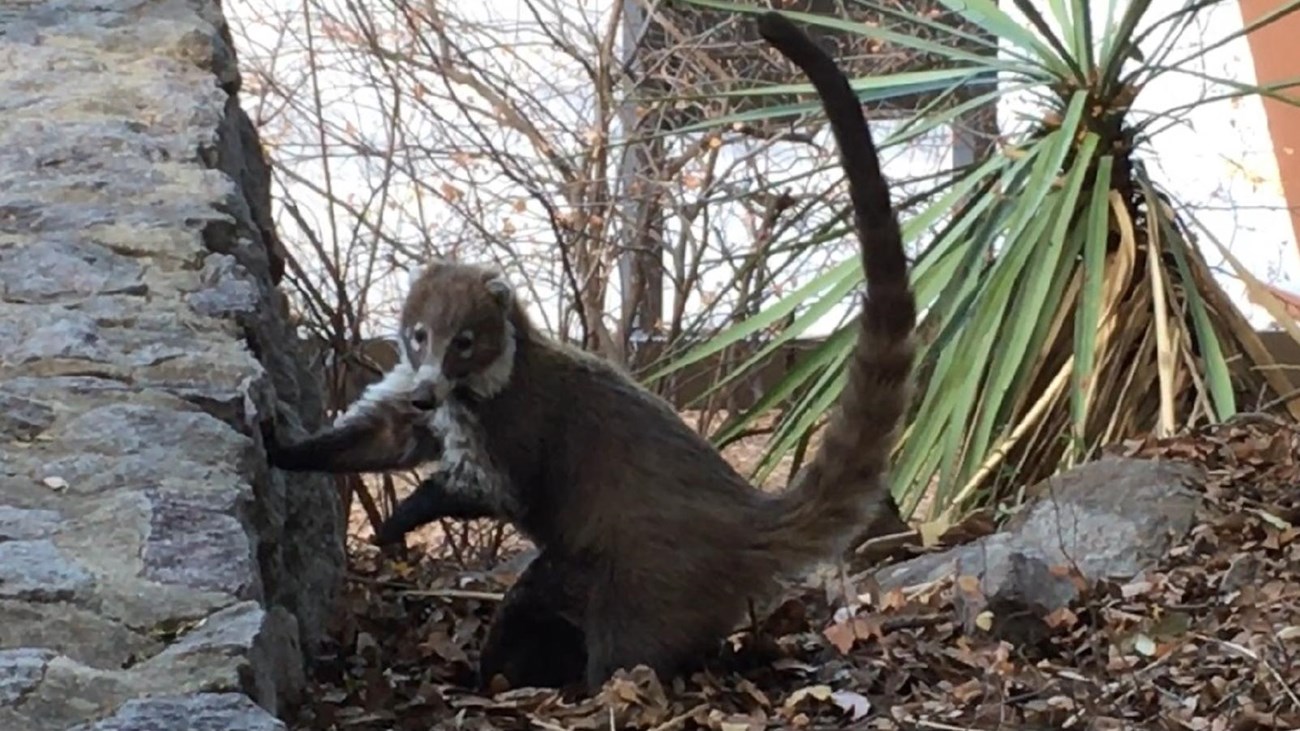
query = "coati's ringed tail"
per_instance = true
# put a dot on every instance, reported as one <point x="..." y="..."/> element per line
<point x="844" y="485"/>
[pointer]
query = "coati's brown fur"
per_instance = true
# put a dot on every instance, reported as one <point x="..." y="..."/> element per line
<point x="383" y="430"/>
<point x="536" y="637"/>
<point x="668" y="541"/>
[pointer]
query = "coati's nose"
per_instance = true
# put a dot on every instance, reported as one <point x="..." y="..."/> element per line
<point x="424" y="398"/>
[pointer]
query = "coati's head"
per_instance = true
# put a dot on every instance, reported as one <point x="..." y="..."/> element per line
<point x="456" y="329"/>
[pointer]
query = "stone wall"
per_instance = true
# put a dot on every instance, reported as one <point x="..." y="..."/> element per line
<point x="154" y="573"/>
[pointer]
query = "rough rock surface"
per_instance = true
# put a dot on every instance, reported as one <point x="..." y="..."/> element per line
<point x="1109" y="519"/>
<point x="154" y="572"/>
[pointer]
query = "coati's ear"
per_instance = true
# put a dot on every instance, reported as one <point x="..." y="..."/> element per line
<point x="429" y="266"/>
<point x="499" y="288"/>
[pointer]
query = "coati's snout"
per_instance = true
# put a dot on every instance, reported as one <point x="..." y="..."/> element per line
<point x="424" y="395"/>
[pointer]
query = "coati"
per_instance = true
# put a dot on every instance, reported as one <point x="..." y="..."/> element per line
<point x="667" y="541"/>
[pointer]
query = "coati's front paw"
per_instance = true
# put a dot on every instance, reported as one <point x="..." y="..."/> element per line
<point x="394" y="550"/>
<point x="282" y="456"/>
<point x="389" y="534"/>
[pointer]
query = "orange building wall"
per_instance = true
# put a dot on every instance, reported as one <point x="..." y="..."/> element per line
<point x="1277" y="57"/>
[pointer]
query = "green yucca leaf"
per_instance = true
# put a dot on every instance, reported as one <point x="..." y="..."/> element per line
<point x="1069" y="60"/>
<point x="875" y="88"/>
<point x="867" y="92"/>
<point x="959" y="35"/>
<point x="992" y="319"/>
<point x="1047" y="327"/>
<point x="987" y="15"/>
<point x="825" y="355"/>
<point x="760" y="321"/>
<point x="839" y="281"/>
<point x="1119" y="45"/>
<point x="819" y="309"/>
<point x="1107" y="37"/>
<point x="820" y="395"/>
<point x="1096" y="237"/>
<point x="931" y="274"/>
<point x="1017" y="345"/>
<point x="937" y="388"/>
<point x="1082" y="34"/>
<point x="1216" y="368"/>
<point x="1008" y="283"/>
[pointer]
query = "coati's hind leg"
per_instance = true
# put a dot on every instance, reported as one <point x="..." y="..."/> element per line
<point x="535" y="639"/>
<point x="651" y="619"/>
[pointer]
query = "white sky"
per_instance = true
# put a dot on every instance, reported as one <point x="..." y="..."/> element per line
<point x="1220" y="162"/>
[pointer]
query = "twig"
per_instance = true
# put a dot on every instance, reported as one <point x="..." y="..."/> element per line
<point x="487" y="596"/>
<point x="889" y="542"/>
<point x="922" y="723"/>
<point x="1252" y="655"/>
<point x="679" y="719"/>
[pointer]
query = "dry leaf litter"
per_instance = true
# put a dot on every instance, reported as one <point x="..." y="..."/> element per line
<point x="1209" y="640"/>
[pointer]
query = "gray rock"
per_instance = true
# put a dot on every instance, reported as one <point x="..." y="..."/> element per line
<point x="1109" y="519"/>
<point x="83" y="635"/>
<point x="114" y="332"/>
<point x="63" y="386"/>
<point x="62" y="333"/>
<point x="18" y="524"/>
<point x="20" y="671"/>
<point x="61" y="270"/>
<point x="198" y="712"/>
<point x="123" y="429"/>
<point x="195" y="539"/>
<point x="70" y="693"/>
<point x="92" y="474"/>
<point x="37" y="571"/>
<point x="227" y="291"/>
<point x="242" y="642"/>
<point x="23" y="418"/>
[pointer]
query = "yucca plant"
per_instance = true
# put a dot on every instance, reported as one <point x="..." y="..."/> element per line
<point x="1066" y="304"/>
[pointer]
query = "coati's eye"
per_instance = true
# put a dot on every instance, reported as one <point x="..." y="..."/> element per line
<point x="463" y="342"/>
<point x="418" y="335"/>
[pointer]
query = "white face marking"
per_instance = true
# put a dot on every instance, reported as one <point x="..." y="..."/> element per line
<point x="403" y="358"/>
<point x="430" y="375"/>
